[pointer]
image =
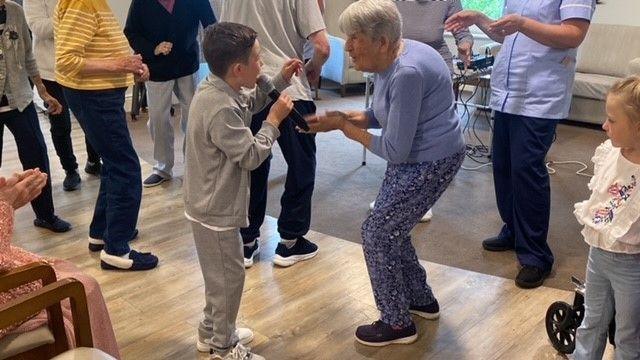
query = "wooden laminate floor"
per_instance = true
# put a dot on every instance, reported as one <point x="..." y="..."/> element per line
<point x="308" y="311"/>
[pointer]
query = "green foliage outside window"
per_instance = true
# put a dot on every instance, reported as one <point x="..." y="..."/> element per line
<point x="491" y="8"/>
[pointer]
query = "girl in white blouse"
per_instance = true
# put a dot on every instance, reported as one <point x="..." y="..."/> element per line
<point x="612" y="228"/>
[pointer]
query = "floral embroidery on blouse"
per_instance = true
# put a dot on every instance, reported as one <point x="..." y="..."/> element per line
<point x="620" y="194"/>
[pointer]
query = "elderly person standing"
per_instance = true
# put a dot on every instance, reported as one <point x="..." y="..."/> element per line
<point x="422" y="142"/>
<point x="17" y="112"/>
<point x="531" y="87"/>
<point x="39" y="15"/>
<point x="165" y="33"/>
<point x="423" y="20"/>
<point x="95" y="66"/>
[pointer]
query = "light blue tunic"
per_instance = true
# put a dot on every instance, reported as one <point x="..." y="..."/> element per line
<point x="532" y="79"/>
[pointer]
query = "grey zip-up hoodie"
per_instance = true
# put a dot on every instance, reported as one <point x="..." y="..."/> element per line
<point x="221" y="151"/>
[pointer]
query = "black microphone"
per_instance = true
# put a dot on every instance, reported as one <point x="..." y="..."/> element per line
<point x="265" y="85"/>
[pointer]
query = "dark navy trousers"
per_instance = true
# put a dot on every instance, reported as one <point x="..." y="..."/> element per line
<point x="299" y="151"/>
<point x="523" y="194"/>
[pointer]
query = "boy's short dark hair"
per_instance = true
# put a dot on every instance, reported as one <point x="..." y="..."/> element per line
<point x="226" y="43"/>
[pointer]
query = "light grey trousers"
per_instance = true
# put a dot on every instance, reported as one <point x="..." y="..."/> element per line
<point x="222" y="263"/>
<point x="159" y="98"/>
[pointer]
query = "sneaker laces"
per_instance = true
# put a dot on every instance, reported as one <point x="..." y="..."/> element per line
<point x="240" y="352"/>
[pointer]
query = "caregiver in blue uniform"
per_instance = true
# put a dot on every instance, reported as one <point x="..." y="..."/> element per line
<point x="531" y="87"/>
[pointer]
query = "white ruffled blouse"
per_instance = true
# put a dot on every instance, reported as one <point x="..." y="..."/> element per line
<point x="610" y="216"/>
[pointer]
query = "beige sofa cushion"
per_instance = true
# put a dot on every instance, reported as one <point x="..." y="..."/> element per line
<point x="608" y="49"/>
<point x="593" y="86"/>
<point x="83" y="353"/>
<point x="16" y="343"/>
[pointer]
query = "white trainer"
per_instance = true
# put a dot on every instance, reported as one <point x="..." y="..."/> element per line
<point x="239" y="352"/>
<point x="244" y="335"/>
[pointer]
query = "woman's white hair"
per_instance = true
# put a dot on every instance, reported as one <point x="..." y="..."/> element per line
<point x="373" y="18"/>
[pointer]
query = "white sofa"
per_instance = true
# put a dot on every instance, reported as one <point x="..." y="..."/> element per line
<point x="608" y="53"/>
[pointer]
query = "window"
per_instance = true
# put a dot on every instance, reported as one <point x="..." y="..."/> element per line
<point x="491" y="8"/>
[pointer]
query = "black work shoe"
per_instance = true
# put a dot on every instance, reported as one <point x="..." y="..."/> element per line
<point x="429" y="312"/>
<point x="250" y="252"/>
<point x="302" y="250"/>
<point x="96" y="244"/>
<point x="93" y="168"/>
<point x="498" y="243"/>
<point x="531" y="277"/>
<point x="154" y="180"/>
<point x="71" y="181"/>
<point x="382" y="334"/>
<point x="56" y="225"/>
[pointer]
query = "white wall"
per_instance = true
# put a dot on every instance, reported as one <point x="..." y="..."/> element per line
<point x="120" y="9"/>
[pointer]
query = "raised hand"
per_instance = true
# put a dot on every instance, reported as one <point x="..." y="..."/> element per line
<point x="461" y="20"/>
<point x="507" y="25"/>
<point x="279" y="110"/>
<point x="291" y="67"/>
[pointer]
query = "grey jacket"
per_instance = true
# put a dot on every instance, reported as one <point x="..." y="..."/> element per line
<point x="221" y="151"/>
<point x="18" y="57"/>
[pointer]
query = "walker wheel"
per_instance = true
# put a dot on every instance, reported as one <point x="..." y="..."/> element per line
<point x="561" y="326"/>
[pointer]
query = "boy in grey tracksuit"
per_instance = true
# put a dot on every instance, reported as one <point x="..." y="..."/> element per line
<point x="220" y="153"/>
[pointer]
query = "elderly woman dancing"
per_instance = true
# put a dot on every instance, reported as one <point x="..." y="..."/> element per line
<point x="422" y="142"/>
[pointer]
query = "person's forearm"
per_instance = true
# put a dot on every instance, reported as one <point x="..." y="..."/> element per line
<point x="321" y="49"/>
<point x="356" y="134"/>
<point x="358" y="119"/>
<point x="37" y="82"/>
<point x="101" y="66"/>
<point x="483" y="23"/>
<point x="563" y="36"/>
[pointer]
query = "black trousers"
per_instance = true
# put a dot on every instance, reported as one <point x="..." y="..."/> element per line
<point x="299" y="152"/>
<point x="61" y="131"/>
<point x="32" y="151"/>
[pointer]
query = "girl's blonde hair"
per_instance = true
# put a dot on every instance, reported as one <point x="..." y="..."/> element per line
<point x="629" y="92"/>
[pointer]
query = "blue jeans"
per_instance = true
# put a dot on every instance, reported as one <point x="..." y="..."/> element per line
<point x="101" y="113"/>
<point x="523" y="193"/>
<point x="613" y="283"/>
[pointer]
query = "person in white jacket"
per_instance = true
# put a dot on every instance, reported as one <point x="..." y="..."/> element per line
<point x="39" y="15"/>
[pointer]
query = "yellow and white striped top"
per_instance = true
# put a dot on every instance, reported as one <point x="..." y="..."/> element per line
<point x="87" y="29"/>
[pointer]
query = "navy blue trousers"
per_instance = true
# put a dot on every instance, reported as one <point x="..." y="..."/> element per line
<point x="32" y="151"/>
<point x="101" y="114"/>
<point x="523" y="193"/>
<point x="299" y="151"/>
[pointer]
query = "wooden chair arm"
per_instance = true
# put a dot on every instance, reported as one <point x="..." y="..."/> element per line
<point x="50" y="296"/>
<point x="27" y="273"/>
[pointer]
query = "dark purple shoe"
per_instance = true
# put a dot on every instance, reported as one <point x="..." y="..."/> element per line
<point x="429" y="312"/>
<point x="382" y="334"/>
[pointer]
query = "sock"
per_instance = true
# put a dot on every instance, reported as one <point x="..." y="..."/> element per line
<point x="250" y="244"/>
<point x="288" y="243"/>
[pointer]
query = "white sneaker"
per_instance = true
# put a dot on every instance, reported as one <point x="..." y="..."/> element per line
<point x="244" y="335"/>
<point x="239" y="352"/>
<point x="427" y="217"/>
